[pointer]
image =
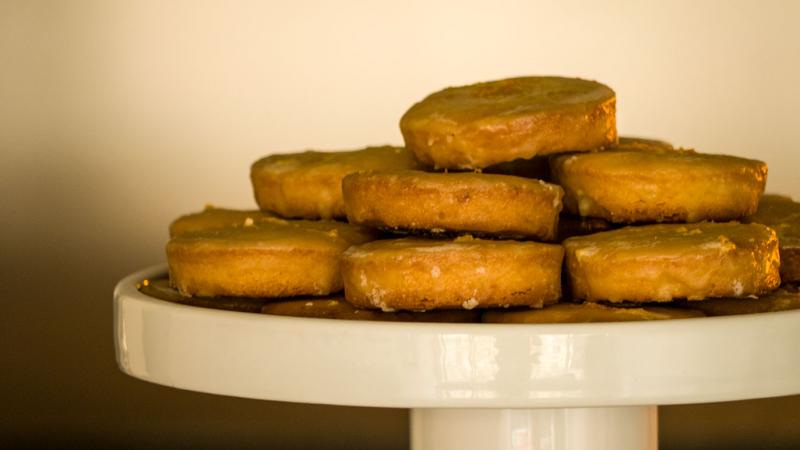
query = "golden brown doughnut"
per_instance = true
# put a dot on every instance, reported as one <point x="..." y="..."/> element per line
<point x="782" y="215"/>
<point x="212" y="217"/>
<point x="472" y="202"/>
<point x="483" y="124"/>
<point x="423" y="274"/>
<point x="586" y="313"/>
<point x="309" y="185"/>
<point x="639" y="183"/>
<point x="268" y="258"/>
<point x="660" y="263"/>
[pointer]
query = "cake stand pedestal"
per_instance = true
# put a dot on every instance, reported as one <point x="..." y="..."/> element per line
<point x="469" y="386"/>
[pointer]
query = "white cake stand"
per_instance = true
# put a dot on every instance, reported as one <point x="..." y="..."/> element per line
<point x="469" y="386"/>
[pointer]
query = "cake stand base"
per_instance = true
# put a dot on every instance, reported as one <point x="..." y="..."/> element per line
<point x="469" y="386"/>
<point x="619" y="428"/>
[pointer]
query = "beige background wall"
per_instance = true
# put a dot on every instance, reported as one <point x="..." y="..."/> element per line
<point x="117" y="116"/>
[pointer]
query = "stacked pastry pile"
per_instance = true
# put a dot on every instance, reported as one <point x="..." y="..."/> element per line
<point x="500" y="189"/>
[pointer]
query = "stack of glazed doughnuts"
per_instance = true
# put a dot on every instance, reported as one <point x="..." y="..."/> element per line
<point x="512" y="201"/>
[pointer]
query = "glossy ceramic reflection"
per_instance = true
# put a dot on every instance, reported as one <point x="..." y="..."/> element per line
<point x="615" y="428"/>
<point x="416" y="365"/>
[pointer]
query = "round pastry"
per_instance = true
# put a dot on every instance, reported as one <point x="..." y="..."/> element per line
<point x="212" y="217"/>
<point x="670" y="261"/>
<point x="483" y="124"/>
<point x="782" y="215"/>
<point x="639" y="183"/>
<point x="782" y="299"/>
<point x="585" y="313"/>
<point x="423" y="274"/>
<point x="338" y="308"/>
<point x="309" y="185"/>
<point x="474" y="202"/>
<point x="268" y="258"/>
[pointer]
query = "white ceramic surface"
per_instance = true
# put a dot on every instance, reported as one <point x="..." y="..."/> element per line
<point x="417" y="365"/>
<point x="620" y="428"/>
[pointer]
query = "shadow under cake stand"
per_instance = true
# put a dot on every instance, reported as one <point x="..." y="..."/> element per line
<point x="469" y="386"/>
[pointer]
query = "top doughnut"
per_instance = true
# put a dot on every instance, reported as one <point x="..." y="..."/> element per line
<point x="476" y="126"/>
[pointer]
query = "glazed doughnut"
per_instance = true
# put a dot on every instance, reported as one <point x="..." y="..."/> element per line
<point x="640" y="183"/>
<point x="472" y="202"/>
<point x="211" y="218"/>
<point x="660" y="263"/>
<point x="309" y="185"/>
<point x="585" y="313"/>
<point x="782" y="299"/>
<point x="476" y="126"/>
<point x="268" y="258"/>
<point x="424" y="274"/>
<point x="338" y="308"/>
<point x="782" y="215"/>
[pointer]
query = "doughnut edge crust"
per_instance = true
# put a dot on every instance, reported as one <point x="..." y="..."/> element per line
<point x="692" y="261"/>
<point x="500" y="205"/>
<point x="630" y="186"/>
<point x="421" y="274"/>
<point x="440" y="135"/>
